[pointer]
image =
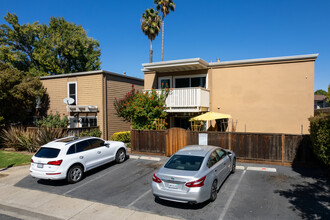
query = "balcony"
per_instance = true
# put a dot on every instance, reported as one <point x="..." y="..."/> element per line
<point x="187" y="100"/>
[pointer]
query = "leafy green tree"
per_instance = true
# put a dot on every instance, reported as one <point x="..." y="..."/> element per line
<point x="165" y="6"/>
<point x="142" y="109"/>
<point x="18" y="94"/>
<point x="150" y="26"/>
<point x="320" y="92"/>
<point x="57" y="48"/>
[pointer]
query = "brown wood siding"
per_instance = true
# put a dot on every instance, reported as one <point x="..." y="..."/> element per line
<point x="117" y="87"/>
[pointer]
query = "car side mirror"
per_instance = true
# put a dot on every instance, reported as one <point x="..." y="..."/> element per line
<point x="229" y="153"/>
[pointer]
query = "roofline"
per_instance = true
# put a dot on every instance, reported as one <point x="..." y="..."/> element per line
<point x="89" y="73"/>
<point x="271" y="59"/>
<point x="172" y="63"/>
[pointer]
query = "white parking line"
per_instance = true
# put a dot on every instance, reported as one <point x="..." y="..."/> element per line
<point x="240" y="167"/>
<point x="134" y="157"/>
<point x="119" y="167"/>
<point x="150" y="158"/>
<point x="231" y="197"/>
<point x="263" y="169"/>
<point x="144" y="194"/>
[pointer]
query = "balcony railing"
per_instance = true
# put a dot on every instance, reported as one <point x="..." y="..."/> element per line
<point x="187" y="100"/>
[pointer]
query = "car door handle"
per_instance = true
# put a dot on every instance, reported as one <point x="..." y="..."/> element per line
<point x="81" y="157"/>
<point x="99" y="152"/>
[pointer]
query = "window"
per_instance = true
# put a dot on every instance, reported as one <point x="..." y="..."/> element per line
<point x="165" y="83"/>
<point x="82" y="146"/>
<point x="185" y="82"/>
<point x="72" y="149"/>
<point x="95" y="143"/>
<point x="88" y="121"/>
<point x="72" y="92"/>
<point x="184" y="162"/>
<point x="213" y="159"/>
<point x="221" y="153"/>
<point x="46" y="152"/>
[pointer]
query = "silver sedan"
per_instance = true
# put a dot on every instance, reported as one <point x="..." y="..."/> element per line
<point x="193" y="174"/>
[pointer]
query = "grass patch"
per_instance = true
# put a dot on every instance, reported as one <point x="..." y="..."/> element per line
<point x="9" y="159"/>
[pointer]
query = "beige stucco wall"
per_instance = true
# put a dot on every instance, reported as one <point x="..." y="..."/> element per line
<point x="275" y="98"/>
<point x="118" y="87"/>
<point x="150" y="80"/>
<point x="89" y="92"/>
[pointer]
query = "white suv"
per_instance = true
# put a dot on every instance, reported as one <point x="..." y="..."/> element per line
<point x="68" y="158"/>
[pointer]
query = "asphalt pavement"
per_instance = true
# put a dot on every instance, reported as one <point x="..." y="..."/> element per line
<point x="123" y="191"/>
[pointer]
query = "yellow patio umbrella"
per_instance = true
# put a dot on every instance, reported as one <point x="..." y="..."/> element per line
<point x="210" y="116"/>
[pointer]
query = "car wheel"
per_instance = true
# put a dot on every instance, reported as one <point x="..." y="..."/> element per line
<point x="75" y="174"/>
<point x="233" y="167"/>
<point x="120" y="156"/>
<point x="214" y="191"/>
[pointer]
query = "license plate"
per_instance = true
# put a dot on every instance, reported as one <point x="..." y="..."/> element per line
<point x="40" y="165"/>
<point x="173" y="186"/>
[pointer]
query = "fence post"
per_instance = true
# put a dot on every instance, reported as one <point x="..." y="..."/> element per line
<point x="283" y="147"/>
<point x="229" y="140"/>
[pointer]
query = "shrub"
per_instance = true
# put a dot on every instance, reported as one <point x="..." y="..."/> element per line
<point x="95" y="132"/>
<point x="320" y="136"/>
<point x="21" y="140"/>
<point x="123" y="136"/>
<point x="53" y="121"/>
<point x="144" y="110"/>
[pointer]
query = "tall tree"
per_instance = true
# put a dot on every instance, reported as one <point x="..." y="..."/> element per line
<point x="57" y="48"/>
<point x="150" y="26"/>
<point x="19" y="93"/>
<point x="165" y="6"/>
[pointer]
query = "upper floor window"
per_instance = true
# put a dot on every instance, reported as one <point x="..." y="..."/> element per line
<point x="72" y="92"/>
<point x="184" y="82"/>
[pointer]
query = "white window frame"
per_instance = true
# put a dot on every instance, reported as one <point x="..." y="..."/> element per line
<point x="68" y="89"/>
<point x="78" y="123"/>
<point x="164" y="77"/>
<point x="191" y="76"/>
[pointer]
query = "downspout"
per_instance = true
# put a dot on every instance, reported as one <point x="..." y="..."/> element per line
<point x="105" y="112"/>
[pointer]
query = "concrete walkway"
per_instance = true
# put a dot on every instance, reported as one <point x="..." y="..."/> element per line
<point x="32" y="204"/>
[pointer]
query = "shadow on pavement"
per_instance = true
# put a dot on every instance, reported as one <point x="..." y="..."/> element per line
<point x="311" y="197"/>
<point x="181" y="205"/>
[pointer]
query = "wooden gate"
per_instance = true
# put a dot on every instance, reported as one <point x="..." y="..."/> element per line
<point x="176" y="139"/>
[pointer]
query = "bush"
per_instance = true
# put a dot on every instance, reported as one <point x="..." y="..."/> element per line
<point x="53" y="121"/>
<point x="123" y="136"/>
<point x="320" y="137"/>
<point x="21" y="140"/>
<point x="95" y="132"/>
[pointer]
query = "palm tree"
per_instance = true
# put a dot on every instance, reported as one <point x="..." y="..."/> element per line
<point x="150" y="26"/>
<point x="164" y="6"/>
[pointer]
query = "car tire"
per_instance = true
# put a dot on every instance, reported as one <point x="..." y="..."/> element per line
<point x="120" y="156"/>
<point x="75" y="174"/>
<point x="214" y="191"/>
<point x="233" y="167"/>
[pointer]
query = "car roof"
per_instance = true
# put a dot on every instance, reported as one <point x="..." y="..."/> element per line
<point x="66" y="141"/>
<point x="196" y="150"/>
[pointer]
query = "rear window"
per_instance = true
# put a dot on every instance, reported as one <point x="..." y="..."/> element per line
<point x="46" y="152"/>
<point x="184" y="162"/>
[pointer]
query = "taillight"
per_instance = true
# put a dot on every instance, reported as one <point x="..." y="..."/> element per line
<point x="56" y="163"/>
<point x="196" y="183"/>
<point x="156" y="179"/>
<point x="32" y="160"/>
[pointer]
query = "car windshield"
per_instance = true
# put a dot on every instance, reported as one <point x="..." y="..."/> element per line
<point x="46" y="152"/>
<point x="184" y="162"/>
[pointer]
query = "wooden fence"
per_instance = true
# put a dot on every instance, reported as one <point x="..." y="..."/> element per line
<point x="282" y="149"/>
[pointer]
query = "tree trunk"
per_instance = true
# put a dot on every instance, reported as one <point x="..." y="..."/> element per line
<point x="151" y="52"/>
<point x="163" y="39"/>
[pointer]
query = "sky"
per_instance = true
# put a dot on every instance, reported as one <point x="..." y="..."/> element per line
<point x="210" y="29"/>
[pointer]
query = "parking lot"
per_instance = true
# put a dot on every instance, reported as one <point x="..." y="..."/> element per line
<point x="250" y="193"/>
